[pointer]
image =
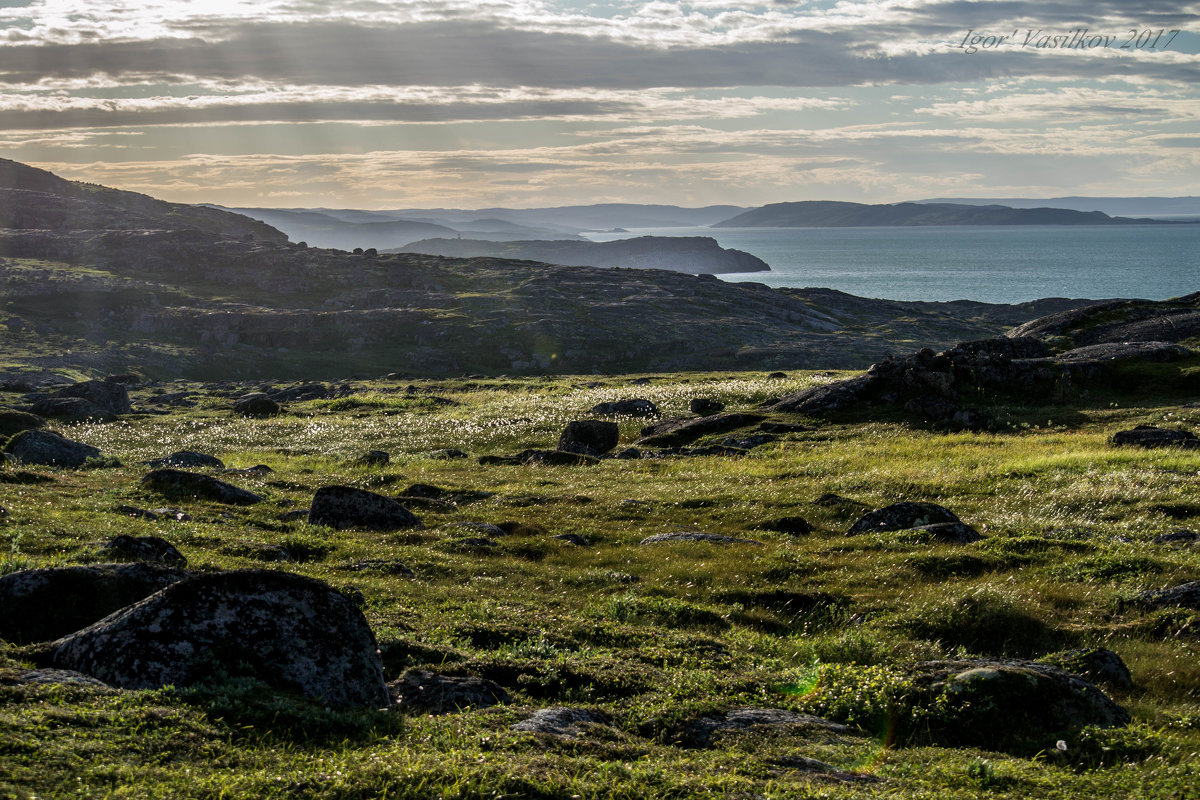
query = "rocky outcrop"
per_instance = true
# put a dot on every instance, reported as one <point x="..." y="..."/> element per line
<point x="71" y="409"/>
<point x="344" y="507"/>
<point x="591" y="437"/>
<point x="256" y="404"/>
<point x="562" y="721"/>
<point x="291" y="633"/>
<point x="1185" y="595"/>
<point x="1098" y="665"/>
<point x="110" y="396"/>
<point x="1119" y="321"/>
<point x="1151" y="437"/>
<point x="13" y="422"/>
<point x="686" y="430"/>
<point x="42" y="604"/>
<point x="903" y="516"/>
<point x="142" y="548"/>
<point x="49" y="449"/>
<point x="175" y="483"/>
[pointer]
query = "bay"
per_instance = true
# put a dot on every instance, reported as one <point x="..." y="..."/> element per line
<point x="993" y="264"/>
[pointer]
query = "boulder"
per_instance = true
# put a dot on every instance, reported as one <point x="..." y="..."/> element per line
<point x="292" y="633"/>
<point x="71" y="409"/>
<point x="631" y="407"/>
<point x="695" y="536"/>
<point x="256" y="404"/>
<point x="110" y="396"/>
<point x="1151" y="437"/>
<point x="561" y="721"/>
<point x="701" y="732"/>
<point x="373" y="458"/>
<point x="177" y="483"/>
<point x="591" y="437"/>
<point x="1179" y="537"/>
<point x="142" y="548"/>
<point x="187" y="459"/>
<point x="344" y="507"/>
<point x="1185" y="595"/>
<point x="49" y="449"/>
<point x="951" y="532"/>
<point x="684" y="431"/>
<point x="900" y="517"/>
<point x="420" y="691"/>
<point x="793" y="526"/>
<point x="38" y="605"/>
<point x="1097" y="665"/>
<point x="13" y="422"/>
<point x="704" y="406"/>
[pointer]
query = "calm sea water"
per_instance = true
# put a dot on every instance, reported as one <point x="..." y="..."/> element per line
<point x="995" y="264"/>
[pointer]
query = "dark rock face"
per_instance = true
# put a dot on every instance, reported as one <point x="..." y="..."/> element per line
<point x="589" y="436"/>
<point x="1185" y="595"/>
<point x="632" y="407"/>
<point x="13" y="421"/>
<point x="419" y="691"/>
<point x="111" y="396"/>
<point x="902" y="516"/>
<point x="256" y="404"/>
<point x="561" y="721"/>
<point x="294" y="634"/>
<point x="1151" y="437"/>
<point x="695" y="536"/>
<point x="1096" y="665"/>
<point x="178" y="483"/>
<point x="38" y="605"/>
<point x="683" y="431"/>
<point x="344" y="507"/>
<point x="705" y="406"/>
<point x="1014" y="706"/>
<point x="143" y="548"/>
<point x="187" y="459"/>
<point x="49" y="449"/>
<point x="71" y="409"/>
<point x="701" y="732"/>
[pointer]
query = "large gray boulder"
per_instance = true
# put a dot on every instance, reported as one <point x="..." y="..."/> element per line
<point x="38" y="605"/>
<point x="177" y="483"/>
<point x="49" y="449"/>
<point x="344" y="507"/>
<point x="589" y="436"/>
<point x="110" y="396"/>
<point x="292" y="633"/>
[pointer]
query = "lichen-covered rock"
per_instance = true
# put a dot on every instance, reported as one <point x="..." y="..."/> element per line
<point x="110" y="396"/>
<point x="49" y="449"/>
<point x="703" y="731"/>
<point x="420" y="691"/>
<point x="902" y="516"/>
<point x="344" y="507"/>
<point x="1185" y="595"/>
<point x="589" y="436"/>
<point x="1096" y="664"/>
<point x="13" y="421"/>
<point x="256" y="404"/>
<point x="292" y="633"/>
<point x="561" y="721"/>
<point x="1151" y="437"/>
<point x="39" y="605"/>
<point x="631" y="407"/>
<point x="57" y="677"/>
<point x="187" y="459"/>
<point x="179" y="483"/>
<point x="695" y="536"/>
<point x="142" y="548"/>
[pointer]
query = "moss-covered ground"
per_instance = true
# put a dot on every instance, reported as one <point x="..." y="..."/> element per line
<point x="650" y="636"/>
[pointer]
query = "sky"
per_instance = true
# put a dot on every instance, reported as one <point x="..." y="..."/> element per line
<point x="527" y="103"/>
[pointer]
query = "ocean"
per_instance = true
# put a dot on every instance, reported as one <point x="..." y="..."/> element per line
<point x="993" y="264"/>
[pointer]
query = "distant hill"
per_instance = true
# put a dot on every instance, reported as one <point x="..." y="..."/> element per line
<point x="1160" y="207"/>
<point x="33" y="199"/>
<point x="835" y="214"/>
<point x="597" y="217"/>
<point x="692" y="254"/>
<point x="320" y="229"/>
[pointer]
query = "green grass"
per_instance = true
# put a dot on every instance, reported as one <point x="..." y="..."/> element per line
<point x="651" y="636"/>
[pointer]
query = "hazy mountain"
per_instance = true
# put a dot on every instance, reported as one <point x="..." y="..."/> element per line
<point x="834" y="214"/>
<point x="601" y="216"/>
<point x="1160" y="207"/>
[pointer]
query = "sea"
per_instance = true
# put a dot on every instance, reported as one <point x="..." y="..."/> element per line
<point x="988" y="263"/>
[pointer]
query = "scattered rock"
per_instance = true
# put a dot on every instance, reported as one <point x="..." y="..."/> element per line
<point x="695" y="536"/>
<point x="631" y="407"/>
<point x="71" y="409"/>
<point x="419" y="691"/>
<point x="481" y="528"/>
<point x="572" y="538"/>
<point x="110" y="396"/>
<point x="629" y="453"/>
<point x="448" y="454"/>
<point x="705" y="406"/>
<point x="13" y="421"/>
<point x="49" y="449"/>
<point x="556" y="458"/>
<point x="143" y="548"/>
<point x="256" y="404"/>
<point x="591" y="437"/>
<point x="38" y="605"/>
<point x="1179" y="537"/>
<point x="561" y="721"/>
<point x="187" y="459"/>
<point x="902" y="516"/>
<point x="1096" y="665"/>
<point x="1185" y="595"/>
<point x="794" y="526"/>
<point x="373" y="458"/>
<point x="701" y="732"/>
<point x="951" y="532"/>
<point x="293" y="633"/>
<point x="776" y="376"/>
<point x="173" y="514"/>
<point x="1151" y="437"/>
<point x="178" y="483"/>
<point x="343" y="507"/>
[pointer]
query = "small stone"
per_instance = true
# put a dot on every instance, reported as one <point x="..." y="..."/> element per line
<point x="561" y="721"/>
<point x="695" y="536"/>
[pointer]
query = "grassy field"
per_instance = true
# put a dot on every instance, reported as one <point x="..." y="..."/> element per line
<point x="650" y="637"/>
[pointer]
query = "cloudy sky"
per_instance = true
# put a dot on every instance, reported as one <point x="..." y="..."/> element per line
<point x="473" y="103"/>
